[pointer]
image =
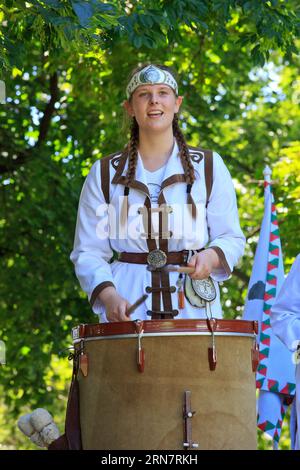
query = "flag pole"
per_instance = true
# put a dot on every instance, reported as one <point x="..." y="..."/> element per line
<point x="275" y="375"/>
<point x="267" y="172"/>
<point x="267" y="175"/>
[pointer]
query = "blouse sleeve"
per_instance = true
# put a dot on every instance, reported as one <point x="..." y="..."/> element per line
<point x="92" y="250"/>
<point x="285" y="313"/>
<point x="225" y="234"/>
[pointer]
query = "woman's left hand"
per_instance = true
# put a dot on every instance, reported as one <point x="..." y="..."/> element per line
<point x="204" y="263"/>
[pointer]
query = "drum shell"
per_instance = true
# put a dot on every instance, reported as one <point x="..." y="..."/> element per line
<point x="122" y="408"/>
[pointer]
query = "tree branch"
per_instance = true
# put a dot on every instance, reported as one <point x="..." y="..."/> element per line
<point x="49" y="110"/>
<point x="254" y="232"/>
<point x="6" y="251"/>
<point x="26" y="154"/>
<point x="240" y="165"/>
<point x="11" y="165"/>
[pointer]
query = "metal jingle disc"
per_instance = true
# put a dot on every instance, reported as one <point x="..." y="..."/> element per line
<point x="191" y="295"/>
<point x="205" y="289"/>
<point x="157" y="259"/>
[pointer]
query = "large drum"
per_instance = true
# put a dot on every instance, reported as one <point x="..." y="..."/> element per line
<point x="164" y="384"/>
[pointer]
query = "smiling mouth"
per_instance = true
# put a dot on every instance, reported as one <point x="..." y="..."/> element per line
<point x="155" y="114"/>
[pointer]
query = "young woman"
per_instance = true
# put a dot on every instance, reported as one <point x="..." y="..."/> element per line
<point x="159" y="202"/>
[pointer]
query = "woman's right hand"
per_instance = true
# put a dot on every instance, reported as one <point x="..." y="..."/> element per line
<point x="116" y="306"/>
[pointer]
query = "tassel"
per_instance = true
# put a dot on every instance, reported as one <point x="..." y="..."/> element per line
<point x="181" y="299"/>
<point x="180" y="291"/>
<point x="84" y="364"/>
<point x="124" y="209"/>
<point x="190" y="201"/>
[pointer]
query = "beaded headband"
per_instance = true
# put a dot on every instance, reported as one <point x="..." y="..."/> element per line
<point x="153" y="75"/>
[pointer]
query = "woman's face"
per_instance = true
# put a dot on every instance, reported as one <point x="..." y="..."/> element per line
<point x="153" y="106"/>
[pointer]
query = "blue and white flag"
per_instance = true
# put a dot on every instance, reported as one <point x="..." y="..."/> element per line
<point x="275" y="375"/>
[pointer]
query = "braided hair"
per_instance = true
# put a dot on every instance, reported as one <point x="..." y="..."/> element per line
<point x="185" y="158"/>
<point x="132" y="151"/>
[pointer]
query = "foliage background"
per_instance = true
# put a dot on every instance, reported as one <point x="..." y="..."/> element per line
<point x="65" y="65"/>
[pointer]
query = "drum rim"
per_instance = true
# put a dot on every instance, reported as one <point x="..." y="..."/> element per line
<point x="153" y="335"/>
<point x="164" y="327"/>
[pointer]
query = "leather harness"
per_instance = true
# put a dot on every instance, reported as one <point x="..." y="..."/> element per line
<point x="160" y="282"/>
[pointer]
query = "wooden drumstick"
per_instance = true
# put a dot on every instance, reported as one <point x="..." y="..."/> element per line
<point x="136" y="304"/>
<point x="170" y="268"/>
<point x="181" y="269"/>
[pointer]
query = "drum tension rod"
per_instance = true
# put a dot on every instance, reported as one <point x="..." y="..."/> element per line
<point x="255" y="355"/>
<point x="140" y="350"/>
<point x="83" y="360"/>
<point x="187" y="417"/>
<point x="212" y="351"/>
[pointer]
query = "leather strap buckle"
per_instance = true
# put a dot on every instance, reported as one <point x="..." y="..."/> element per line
<point x="157" y="259"/>
<point x="174" y="313"/>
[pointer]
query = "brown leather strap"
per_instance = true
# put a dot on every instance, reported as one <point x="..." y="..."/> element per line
<point x="105" y="178"/>
<point x="174" y="257"/>
<point x="208" y="170"/>
<point x="99" y="289"/>
<point x="148" y="226"/>
<point x="122" y="162"/>
<point x="155" y="281"/>
<point x="163" y="313"/>
<point x="72" y="423"/>
<point x="166" y="295"/>
<point x="169" y="312"/>
<point x="160" y="289"/>
<point x="155" y="275"/>
<point x="60" y="444"/>
<point x="163" y="225"/>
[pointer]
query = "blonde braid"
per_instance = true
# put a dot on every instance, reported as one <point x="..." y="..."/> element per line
<point x="186" y="163"/>
<point x="132" y="163"/>
<point x="133" y="151"/>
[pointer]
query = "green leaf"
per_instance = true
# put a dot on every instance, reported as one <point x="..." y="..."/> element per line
<point x="84" y="12"/>
<point x="146" y="21"/>
<point x="137" y="41"/>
